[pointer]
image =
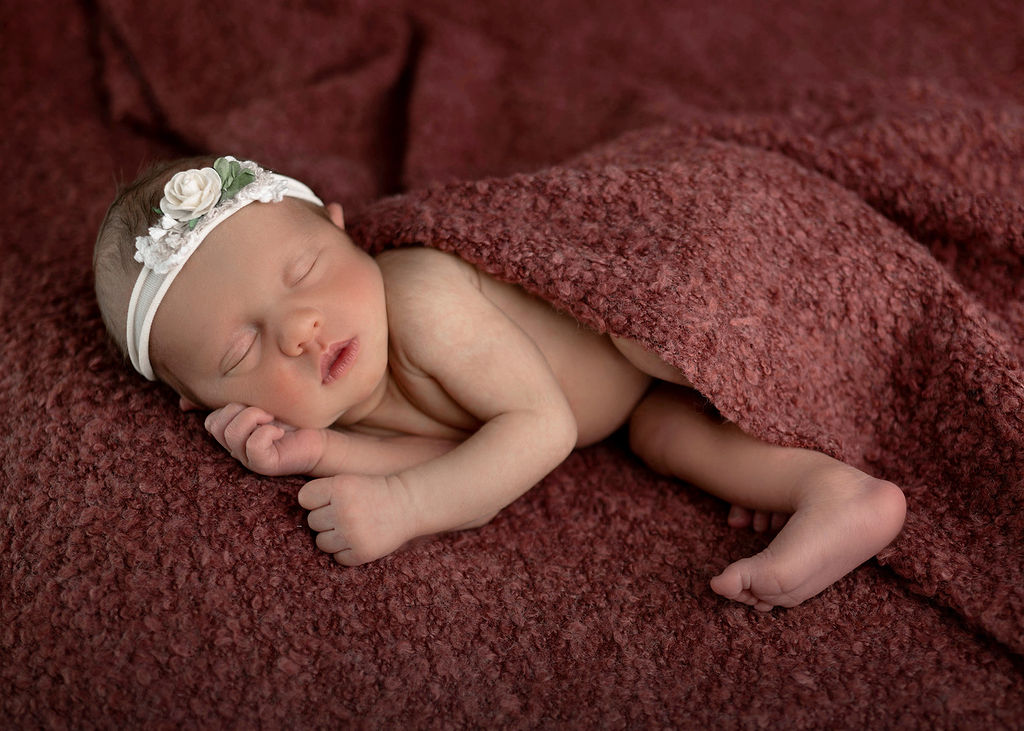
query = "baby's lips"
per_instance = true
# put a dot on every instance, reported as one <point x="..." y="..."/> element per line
<point x="330" y="358"/>
<point x="327" y="359"/>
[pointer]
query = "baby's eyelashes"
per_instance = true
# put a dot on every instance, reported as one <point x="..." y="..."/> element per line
<point x="238" y="354"/>
<point x="302" y="269"/>
<point x="309" y="270"/>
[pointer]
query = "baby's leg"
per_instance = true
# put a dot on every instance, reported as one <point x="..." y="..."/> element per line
<point x="841" y="516"/>
<point x="654" y="366"/>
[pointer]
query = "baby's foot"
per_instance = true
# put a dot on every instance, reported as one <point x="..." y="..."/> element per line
<point x="851" y="518"/>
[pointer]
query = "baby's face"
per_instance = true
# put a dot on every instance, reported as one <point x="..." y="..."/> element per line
<point x="277" y="309"/>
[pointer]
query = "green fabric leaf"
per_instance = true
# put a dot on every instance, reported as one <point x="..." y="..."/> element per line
<point x="233" y="177"/>
<point x="223" y="167"/>
<point x="239" y="180"/>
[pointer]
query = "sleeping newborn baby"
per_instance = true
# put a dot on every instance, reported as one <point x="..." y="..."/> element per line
<point x="423" y="395"/>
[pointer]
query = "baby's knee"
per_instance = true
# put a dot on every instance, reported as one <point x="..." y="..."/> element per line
<point x="891" y="504"/>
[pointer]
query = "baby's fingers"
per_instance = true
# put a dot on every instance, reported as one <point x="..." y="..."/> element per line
<point x="315" y="494"/>
<point x="260" y="443"/>
<point x="329" y="537"/>
<point x="217" y="421"/>
<point x="234" y="427"/>
<point x="239" y="429"/>
<point x="321" y="519"/>
<point x="224" y="414"/>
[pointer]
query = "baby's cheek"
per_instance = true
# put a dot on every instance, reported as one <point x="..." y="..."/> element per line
<point x="291" y="403"/>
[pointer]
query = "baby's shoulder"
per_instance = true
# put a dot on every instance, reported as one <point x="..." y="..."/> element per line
<point x="420" y="258"/>
<point x="413" y="273"/>
<point x="430" y="297"/>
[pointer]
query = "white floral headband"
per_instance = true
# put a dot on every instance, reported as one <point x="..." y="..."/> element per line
<point x="195" y="202"/>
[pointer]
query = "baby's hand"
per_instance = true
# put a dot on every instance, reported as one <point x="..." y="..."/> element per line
<point x="359" y="518"/>
<point x="263" y="445"/>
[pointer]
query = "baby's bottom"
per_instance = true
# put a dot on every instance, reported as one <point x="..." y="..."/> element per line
<point x="841" y="517"/>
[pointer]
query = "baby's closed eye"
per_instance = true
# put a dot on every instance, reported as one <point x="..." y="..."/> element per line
<point x="302" y="268"/>
<point x="239" y="352"/>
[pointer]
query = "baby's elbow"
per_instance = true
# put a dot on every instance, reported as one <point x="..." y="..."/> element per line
<point x="563" y="431"/>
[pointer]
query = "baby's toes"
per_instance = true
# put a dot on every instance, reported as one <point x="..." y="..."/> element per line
<point x="729" y="583"/>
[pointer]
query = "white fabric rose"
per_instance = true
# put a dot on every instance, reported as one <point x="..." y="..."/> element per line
<point x="191" y="194"/>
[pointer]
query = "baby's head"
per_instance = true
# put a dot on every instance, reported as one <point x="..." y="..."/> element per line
<point x="232" y="283"/>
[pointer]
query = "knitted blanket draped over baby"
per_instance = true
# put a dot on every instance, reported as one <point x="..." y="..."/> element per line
<point x="835" y="288"/>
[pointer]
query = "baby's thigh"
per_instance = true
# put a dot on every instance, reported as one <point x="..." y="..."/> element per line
<point x="648" y="362"/>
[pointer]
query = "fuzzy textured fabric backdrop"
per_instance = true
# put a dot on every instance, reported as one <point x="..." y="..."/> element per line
<point x="816" y="210"/>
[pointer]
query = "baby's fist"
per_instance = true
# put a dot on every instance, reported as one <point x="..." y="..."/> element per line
<point x="264" y="445"/>
<point x="359" y="518"/>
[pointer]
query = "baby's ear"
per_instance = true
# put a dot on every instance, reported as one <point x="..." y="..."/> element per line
<point x="186" y="405"/>
<point x="336" y="214"/>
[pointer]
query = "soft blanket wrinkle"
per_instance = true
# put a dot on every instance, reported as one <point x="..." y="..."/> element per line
<point x="814" y="209"/>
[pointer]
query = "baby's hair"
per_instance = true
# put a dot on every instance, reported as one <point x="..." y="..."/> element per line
<point x="113" y="261"/>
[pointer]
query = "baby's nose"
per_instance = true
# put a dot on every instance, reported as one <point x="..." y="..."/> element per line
<point x="298" y="330"/>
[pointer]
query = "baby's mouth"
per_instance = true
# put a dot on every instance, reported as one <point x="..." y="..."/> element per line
<point x="337" y="360"/>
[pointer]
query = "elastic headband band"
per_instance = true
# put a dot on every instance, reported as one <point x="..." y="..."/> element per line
<point x="195" y="202"/>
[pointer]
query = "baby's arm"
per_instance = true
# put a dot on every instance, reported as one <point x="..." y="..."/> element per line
<point x="270" y="447"/>
<point x="445" y="330"/>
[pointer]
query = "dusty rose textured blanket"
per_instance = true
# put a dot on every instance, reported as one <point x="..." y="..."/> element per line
<point x="814" y="209"/>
